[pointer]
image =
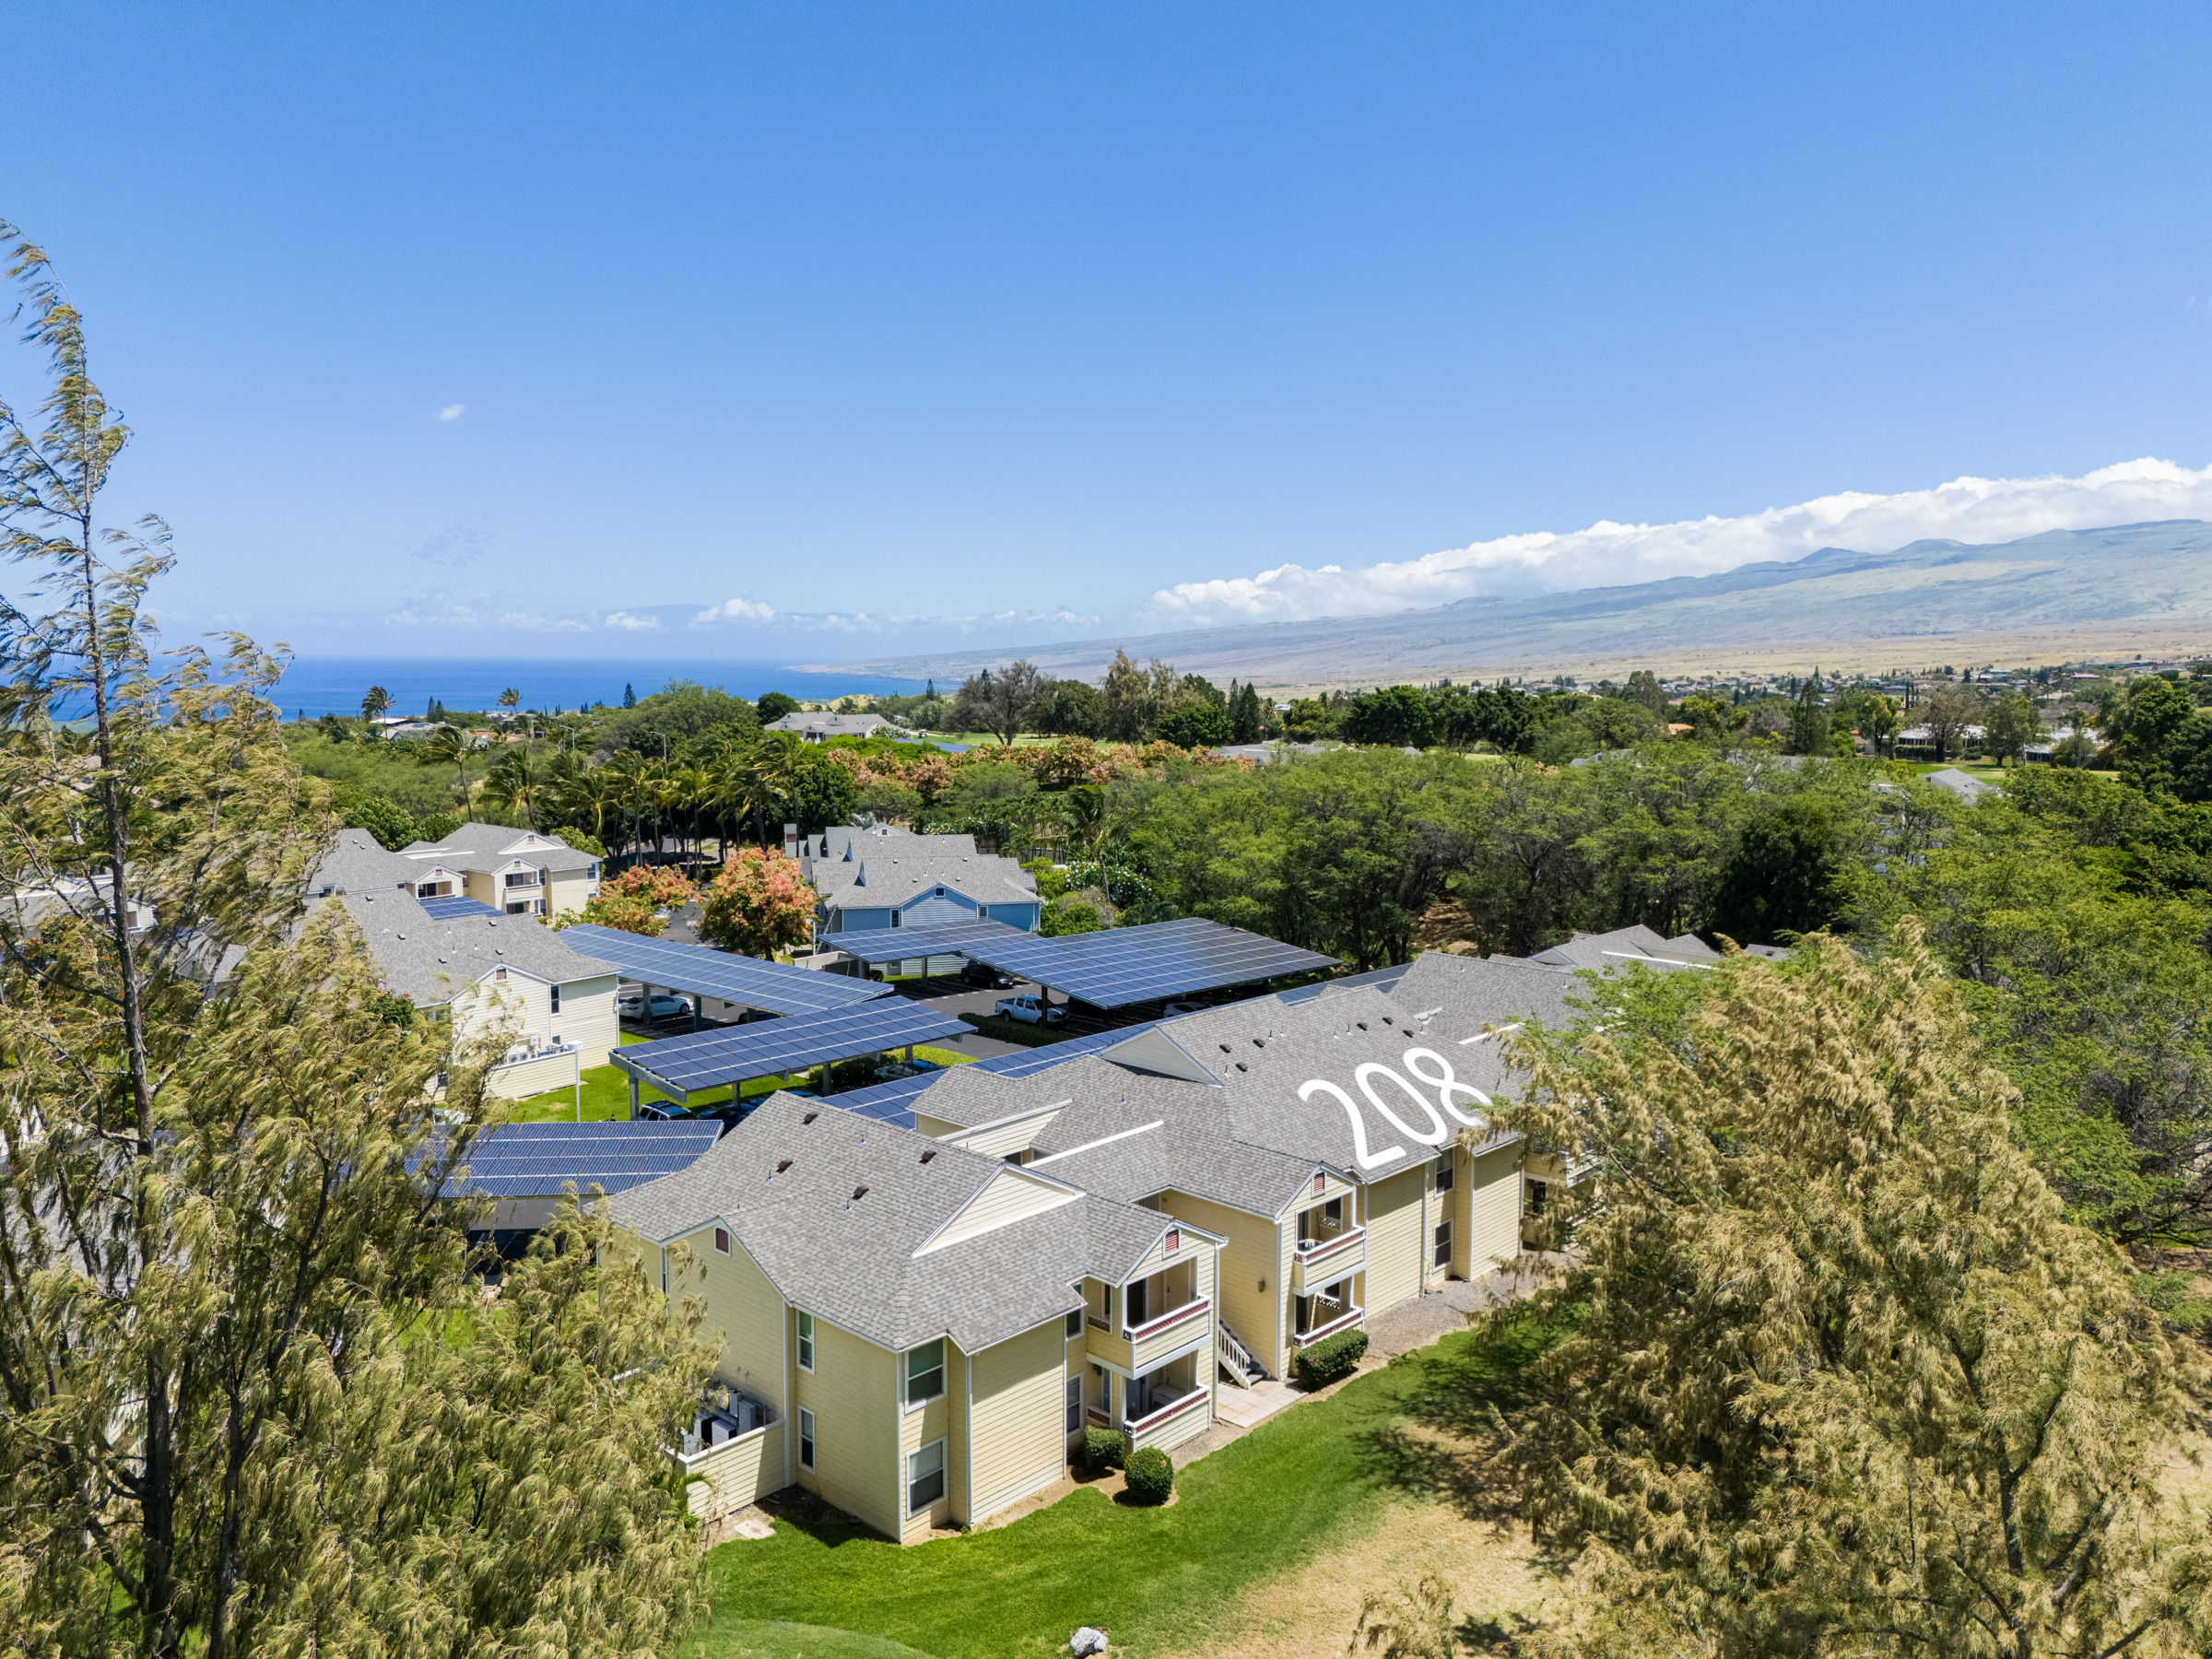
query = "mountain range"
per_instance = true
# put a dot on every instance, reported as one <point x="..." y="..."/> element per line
<point x="2064" y="582"/>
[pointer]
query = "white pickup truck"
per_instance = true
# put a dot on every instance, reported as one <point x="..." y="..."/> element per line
<point x="1031" y="1010"/>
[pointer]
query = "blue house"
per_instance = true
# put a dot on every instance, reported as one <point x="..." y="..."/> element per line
<point x="889" y="888"/>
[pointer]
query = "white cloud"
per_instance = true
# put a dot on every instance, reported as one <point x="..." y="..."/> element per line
<point x="451" y="411"/>
<point x="532" y="622"/>
<point x="624" y="619"/>
<point x="736" y="610"/>
<point x="1608" y="555"/>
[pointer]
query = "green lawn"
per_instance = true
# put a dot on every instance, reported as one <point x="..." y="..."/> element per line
<point x="1315" y="1476"/>
<point x="1012" y="1031"/>
<point x="607" y="1089"/>
<point x="777" y="1638"/>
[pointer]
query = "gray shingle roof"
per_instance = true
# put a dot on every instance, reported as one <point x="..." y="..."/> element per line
<point x="1623" y="947"/>
<point x="357" y="863"/>
<point x="878" y="879"/>
<point x="1471" y="993"/>
<point x="482" y="847"/>
<point x="429" y="961"/>
<point x="851" y="1259"/>
<point x="1250" y="1136"/>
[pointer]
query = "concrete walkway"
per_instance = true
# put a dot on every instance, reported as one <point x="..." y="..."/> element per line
<point x="1437" y="1314"/>
<point x="1414" y="1324"/>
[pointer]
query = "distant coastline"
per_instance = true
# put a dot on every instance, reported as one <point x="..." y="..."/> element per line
<point x="319" y="684"/>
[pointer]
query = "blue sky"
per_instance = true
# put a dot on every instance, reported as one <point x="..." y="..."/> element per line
<point x="916" y="323"/>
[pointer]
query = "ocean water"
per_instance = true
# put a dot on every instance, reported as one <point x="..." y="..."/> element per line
<point x="334" y="685"/>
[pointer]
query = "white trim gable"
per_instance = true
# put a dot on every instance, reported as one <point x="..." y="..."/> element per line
<point x="1050" y="1195"/>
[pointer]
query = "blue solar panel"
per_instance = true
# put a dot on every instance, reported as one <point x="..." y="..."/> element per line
<point x="449" y="909"/>
<point x="900" y="943"/>
<point x="774" y="987"/>
<point x="1114" y="968"/>
<point x="684" y="1065"/>
<point x="894" y="1103"/>
<point x="518" y="1160"/>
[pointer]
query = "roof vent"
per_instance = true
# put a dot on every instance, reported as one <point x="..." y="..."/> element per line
<point x="1224" y="1048"/>
<point x="1259" y="1042"/>
<point x="1362" y="1024"/>
<point x="782" y="1166"/>
<point x="928" y="1155"/>
<point x="859" y="1193"/>
<point x="810" y="1117"/>
<point x="1242" y="1066"/>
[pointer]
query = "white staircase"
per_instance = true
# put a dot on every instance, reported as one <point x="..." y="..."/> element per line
<point x="1238" y="1363"/>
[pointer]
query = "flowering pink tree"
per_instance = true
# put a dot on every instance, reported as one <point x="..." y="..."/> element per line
<point x="759" y="904"/>
<point x="635" y="901"/>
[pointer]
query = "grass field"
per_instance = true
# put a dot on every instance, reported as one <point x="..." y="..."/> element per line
<point x="606" y="1091"/>
<point x="1320" y="1477"/>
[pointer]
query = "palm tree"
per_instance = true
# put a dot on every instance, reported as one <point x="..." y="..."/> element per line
<point x="693" y="791"/>
<point x="448" y="744"/>
<point x="376" y="702"/>
<point x="515" y="786"/>
<point x="595" y="794"/>
<point x="739" y="790"/>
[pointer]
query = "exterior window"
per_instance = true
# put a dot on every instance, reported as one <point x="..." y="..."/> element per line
<point x="926" y="1373"/>
<point x="894" y="918"/>
<point x="557" y="999"/>
<point x="1075" y="1324"/>
<point x="805" y="1342"/>
<point x="806" y="1438"/>
<point x="1074" y="1404"/>
<point x="982" y="913"/>
<point x="1443" y="1174"/>
<point x="591" y="872"/>
<point x="1332" y="1212"/>
<point x="1536" y="1194"/>
<point x="925" y="1477"/>
<point x="940" y="892"/>
<point x="721" y="1240"/>
<point x="1443" y="1244"/>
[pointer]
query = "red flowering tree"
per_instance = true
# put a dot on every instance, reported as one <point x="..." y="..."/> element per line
<point x="636" y="900"/>
<point x="759" y="904"/>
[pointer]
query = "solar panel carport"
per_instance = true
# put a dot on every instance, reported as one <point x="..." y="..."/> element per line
<point x="1111" y="968"/>
<point x="524" y="1168"/>
<point x="682" y="1066"/>
<point x="894" y="1102"/>
<point x="747" y="981"/>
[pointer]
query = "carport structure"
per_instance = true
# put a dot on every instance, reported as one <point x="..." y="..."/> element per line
<point x="1111" y="968"/>
<point x="681" y="1067"/>
<point x="702" y="970"/>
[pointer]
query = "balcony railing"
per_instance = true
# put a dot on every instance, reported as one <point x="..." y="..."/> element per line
<point x="1345" y="1320"/>
<point x="523" y="878"/>
<point x="1167" y="1321"/>
<point x="1155" y="1417"/>
<point x="1311" y="1251"/>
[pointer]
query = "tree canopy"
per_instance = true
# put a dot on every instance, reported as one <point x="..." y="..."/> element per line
<point x="1840" y="1379"/>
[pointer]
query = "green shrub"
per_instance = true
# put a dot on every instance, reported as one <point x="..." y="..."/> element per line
<point x="1102" y="1448"/>
<point x="1327" y="1360"/>
<point x="1152" y="1476"/>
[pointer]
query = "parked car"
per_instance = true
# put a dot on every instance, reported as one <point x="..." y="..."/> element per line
<point x="631" y="1004"/>
<point x="987" y="976"/>
<point x="1031" y="1010"/>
